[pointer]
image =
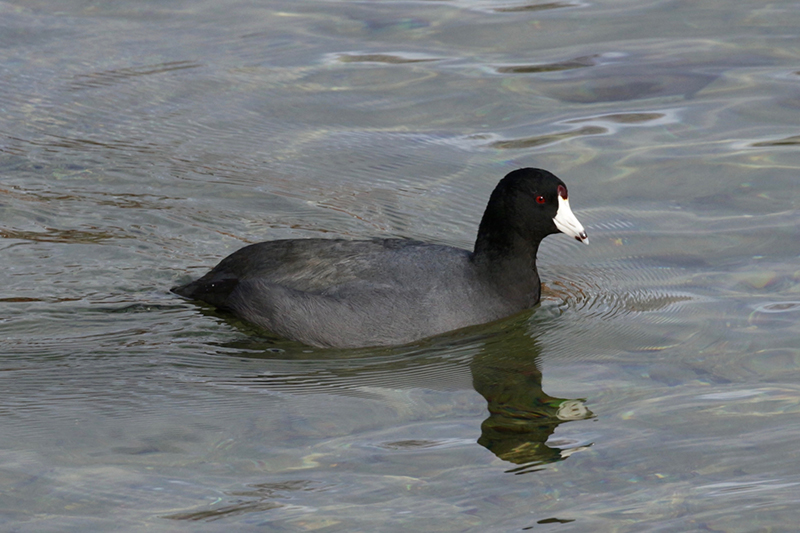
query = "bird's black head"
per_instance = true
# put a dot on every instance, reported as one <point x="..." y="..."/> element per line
<point x="530" y="204"/>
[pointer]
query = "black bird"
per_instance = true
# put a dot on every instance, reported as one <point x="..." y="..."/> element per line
<point x="347" y="294"/>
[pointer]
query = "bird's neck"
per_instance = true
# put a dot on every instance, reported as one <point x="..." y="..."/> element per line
<point x="508" y="262"/>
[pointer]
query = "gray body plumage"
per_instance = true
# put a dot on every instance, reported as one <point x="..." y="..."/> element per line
<point x="330" y="292"/>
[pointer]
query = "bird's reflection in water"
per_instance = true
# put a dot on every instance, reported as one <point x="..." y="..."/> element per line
<point x="502" y="358"/>
<point x="521" y="415"/>
<point x="501" y="363"/>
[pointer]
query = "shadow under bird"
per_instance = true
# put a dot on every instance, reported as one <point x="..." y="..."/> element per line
<point x="356" y="293"/>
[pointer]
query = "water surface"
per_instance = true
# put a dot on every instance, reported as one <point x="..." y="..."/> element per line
<point x="656" y="388"/>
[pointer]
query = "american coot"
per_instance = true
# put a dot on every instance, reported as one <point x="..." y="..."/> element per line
<point x="346" y="294"/>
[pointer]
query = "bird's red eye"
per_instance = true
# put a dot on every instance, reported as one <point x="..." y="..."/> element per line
<point x="540" y="199"/>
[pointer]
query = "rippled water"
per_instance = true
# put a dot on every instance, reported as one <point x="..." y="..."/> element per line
<point x="656" y="388"/>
